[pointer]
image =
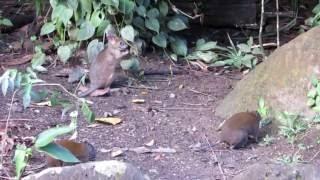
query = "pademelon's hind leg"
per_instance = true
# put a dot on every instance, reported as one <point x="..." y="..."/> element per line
<point x="100" y="92"/>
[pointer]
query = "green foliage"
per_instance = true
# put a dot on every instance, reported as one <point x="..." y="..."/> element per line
<point x="290" y="159"/>
<point x="242" y="55"/>
<point x="5" y="21"/>
<point x="205" y="52"/>
<point x="267" y="141"/>
<point x="314" y="95"/>
<point x="315" y="20"/>
<point x="291" y="125"/>
<point x="263" y="110"/>
<point x="20" y="159"/>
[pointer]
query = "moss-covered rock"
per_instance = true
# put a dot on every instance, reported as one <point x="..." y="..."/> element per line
<point x="283" y="79"/>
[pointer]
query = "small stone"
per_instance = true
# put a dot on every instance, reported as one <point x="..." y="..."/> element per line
<point x="37" y="111"/>
<point x="172" y="95"/>
<point x="116" y="111"/>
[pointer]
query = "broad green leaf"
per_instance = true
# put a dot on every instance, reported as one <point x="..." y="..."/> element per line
<point x="244" y="48"/>
<point x="128" y="18"/>
<point x="73" y="4"/>
<point x="314" y="81"/>
<point x="208" y="56"/>
<point x="6" y="22"/>
<point x="179" y="47"/>
<point x="93" y="49"/>
<point x="261" y="103"/>
<point x="86" y="7"/>
<point x="126" y="6"/>
<point x="4" y="85"/>
<point x="47" y="28"/>
<point x="139" y="22"/>
<point x="38" y="60"/>
<point x="86" y="111"/>
<point x="64" y="53"/>
<point x="152" y="24"/>
<point x="96" y="18"/>
<point x="146" y="3"/>
<point x="176" y="24"/>
<point x="47" y="136"/>
<point x="54" y="3"/>
<point x="250" y="42"/>
<point x="312" y="93"/>
<point x="62" y="13"/>
<point x="20" y="158"/>
<point x="26" y="99"/>
<point x="318" y="89"/>
<point x="131" y="64"/>
<point x="218" y="64"/>
<point x="139" y="2"/>
<point x="174" y="57"/>
<point x="160" y="40"/>
<point x="256" y="51"/>
<point x="127" y="33"/>
<point x="206" y="46"/>
<point x="318" y="101"/>
<point x="86" y="31"/>
<point x="114" y="3"/>
<point x="163" y="8"/>
<point x="200" y="42"/>
<point x="141" y="10"/>
<point x="102" y="27"/>
<point x="153" y="13"/>
<point x="316" y="9"/>
<point x="311" y="102"/>
<point x="59" y="152"/>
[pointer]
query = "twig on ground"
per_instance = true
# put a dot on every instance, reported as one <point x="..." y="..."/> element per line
<point x="197" y="92"/>
<point x="216" y="158"/>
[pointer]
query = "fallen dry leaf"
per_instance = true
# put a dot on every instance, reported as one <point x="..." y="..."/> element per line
<point x="45" y="103"/>
<point x="140" y="150"/>
<point x="93" y="125"/>
<point x="163" y="150"/>
<point x="150" y="143"/>
<point x="138" y="101"/>
<point x="117" y="152"/>
<point x="109" y="120"/>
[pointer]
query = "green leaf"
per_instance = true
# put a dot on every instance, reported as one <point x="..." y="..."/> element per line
<point x="312" y="93"/>
<point x="96" y="18"/>
<point x="126" y="6"/>
<point x="314" y="81"/>
<point x="54" y="3"/>
<point x="86" y="31"/>
<point x="88" y="114"/>
<point x="311" y="102"/>
<point x="47" y="28"/>
<point x="47" y="136"/>
<point x="131" y="64"/>
<point x="152" y="24"/>
<point x="160" y="40"/>
<point x="6" y="22"/>
<point x="153" y="13"/>
<point x="244" y="48"/>
<point x="127" y="33"/>
<point x="73" y="4"/>
<point x="250" y="42"/>
<point x="114" y="3"/>
<point x="208" y="56"/>
<point x="316" y="9"/>
<point x="38" y="60"/>
<point x="176" y="24"/>
<point x="4" y="85"/>
<point x="318" y="89"/>
<point x="59" y="152"/>
<point x="93" y="49"/>
<point x="138" y="22"/>
<point x="86" y="7"/>
<point x="218" y="64"/>
<point x="163" y="8"/>
<point x="179" y="47"/>
<point x="141" y="11"/>
<point x="20" y="158"/>
<point x="206" y="46"/>
<point x="64" y="53"/>
<point x="62" y="13"/>
<point x="140" y="2"/>
<point x="26" y="100"/>
<point x="103" y="25"/>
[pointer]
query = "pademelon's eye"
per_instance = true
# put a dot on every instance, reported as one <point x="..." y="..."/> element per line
<point x="122" y="44"/>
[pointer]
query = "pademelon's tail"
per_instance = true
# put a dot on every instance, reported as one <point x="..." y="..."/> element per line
<point x="87" y="92"/>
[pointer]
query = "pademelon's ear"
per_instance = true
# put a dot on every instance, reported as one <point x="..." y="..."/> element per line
<point x="110" y="33"/>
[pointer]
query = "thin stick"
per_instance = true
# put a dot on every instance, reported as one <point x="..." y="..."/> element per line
<point x="198" y="92"/>
<point x="260" y="29"/>
<point x="7" y="124"/>
<point x="278" y="32"/>
<point x="183" y="108"/>
<point x="5" y="120"/>
<point x="216" y="159"/>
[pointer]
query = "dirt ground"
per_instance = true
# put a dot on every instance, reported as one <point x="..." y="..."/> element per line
<point x="178" y="114"/>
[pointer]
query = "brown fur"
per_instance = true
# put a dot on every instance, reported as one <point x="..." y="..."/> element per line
<point x="102" y="68"/>
<point x="83" y="151"/>
<point x="239" y="128"/>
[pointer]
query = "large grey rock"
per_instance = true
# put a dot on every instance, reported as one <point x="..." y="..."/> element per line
<point x="282" y="80"/>
<point x="273" y="171"/>
<point x="104" y="170"/>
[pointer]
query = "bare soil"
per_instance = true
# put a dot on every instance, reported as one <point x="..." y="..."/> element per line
<point x="179" y="114"/>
